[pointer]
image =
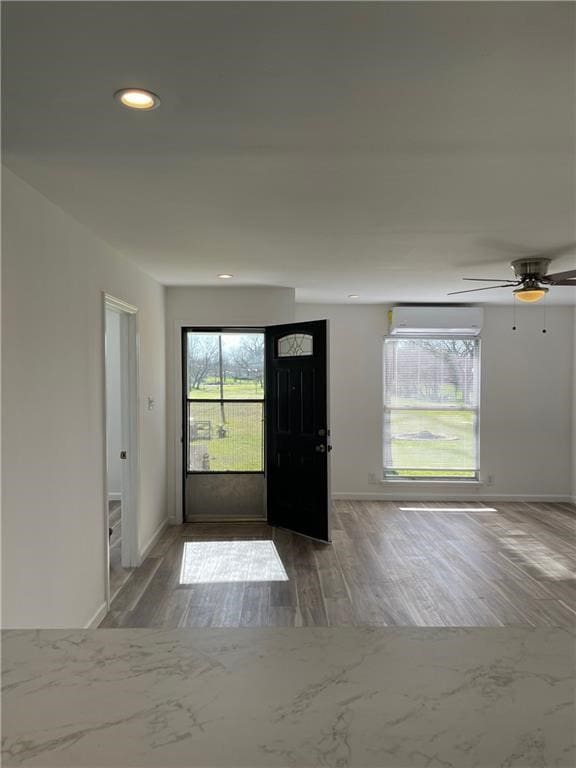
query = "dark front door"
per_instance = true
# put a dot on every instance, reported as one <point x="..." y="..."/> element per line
<point x="297" y="428"/>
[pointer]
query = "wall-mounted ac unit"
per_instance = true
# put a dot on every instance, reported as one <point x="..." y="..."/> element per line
<point x="435" y="320"/>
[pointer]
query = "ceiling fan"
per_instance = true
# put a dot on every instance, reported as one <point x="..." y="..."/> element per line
<point x="531" y="276"/>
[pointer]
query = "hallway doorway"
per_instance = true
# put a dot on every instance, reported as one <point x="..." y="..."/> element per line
<point x="121" y="414"/>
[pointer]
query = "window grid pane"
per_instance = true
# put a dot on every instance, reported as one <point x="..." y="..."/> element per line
<point x="431" y="372"/>
<point x="431" y="408"/>
<point x="225" y="436"/>
<point x="227" y="366"/>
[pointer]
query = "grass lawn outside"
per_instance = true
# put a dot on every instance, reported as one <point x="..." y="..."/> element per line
<point x="452" y="456"/>
<point x="242" y="447"/>
<point x="233" y="390"/>
<point x="241" y="450"/>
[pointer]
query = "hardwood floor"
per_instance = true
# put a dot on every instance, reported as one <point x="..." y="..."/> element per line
<point x="390" y="564"/>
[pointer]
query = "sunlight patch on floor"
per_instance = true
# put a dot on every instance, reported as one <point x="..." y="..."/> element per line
<point x="210" y="562"/>
<point x="447" y="509"/>
<point x="539" y="556"/>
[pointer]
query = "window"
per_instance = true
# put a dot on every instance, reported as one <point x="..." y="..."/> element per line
<point x="224" y="374"/>
<point x="431" y="402"/>
<point x="295" y="345"/>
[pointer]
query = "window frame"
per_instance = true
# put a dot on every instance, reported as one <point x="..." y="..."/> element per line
<point x="386" y="410"/>
<point x="217" y="401"/>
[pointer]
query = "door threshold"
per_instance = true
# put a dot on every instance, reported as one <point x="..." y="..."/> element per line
<point x="227" y="520"/>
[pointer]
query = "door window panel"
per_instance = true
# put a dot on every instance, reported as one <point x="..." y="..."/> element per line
<point x="295" y="345"/>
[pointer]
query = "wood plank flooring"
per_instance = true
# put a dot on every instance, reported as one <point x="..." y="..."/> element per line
<point x="390" y="564"/>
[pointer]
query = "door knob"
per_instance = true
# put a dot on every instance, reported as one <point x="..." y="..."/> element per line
<point x="123" y="455"/>
<point x="320" y="449"/>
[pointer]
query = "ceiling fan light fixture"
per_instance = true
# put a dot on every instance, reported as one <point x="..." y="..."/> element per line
<point x="530" y="294"/>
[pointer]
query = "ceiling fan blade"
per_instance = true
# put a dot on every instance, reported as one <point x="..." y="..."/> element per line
<point x="565" y="282"/>
<point x="485" y="279"/>
<point x="554" y="278"/>
<point x="487" y="288"/>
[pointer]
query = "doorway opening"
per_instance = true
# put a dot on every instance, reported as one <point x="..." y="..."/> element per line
<point x="255" y="426"/>
<point x="223" y="429"/>
<point x="121" y="467"/>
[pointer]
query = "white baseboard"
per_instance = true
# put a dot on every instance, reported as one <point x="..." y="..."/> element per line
<point x="114" y="497"/>
<point x="155" y="536"/>
<point x="97" y="618"/>
<point x="436" y="496"/>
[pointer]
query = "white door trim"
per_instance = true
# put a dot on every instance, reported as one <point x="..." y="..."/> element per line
<point x="130" y="407"/>
<point x="176" y="417"/>
<point x="118" y="305"/>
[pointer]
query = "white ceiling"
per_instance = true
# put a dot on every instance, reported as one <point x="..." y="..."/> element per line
<point x="370" y="148"/>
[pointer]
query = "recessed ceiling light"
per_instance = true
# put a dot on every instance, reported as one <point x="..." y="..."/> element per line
<point x="353" y="296"/>
<point x="224" y="276"/>
<point x="137" y="98"/>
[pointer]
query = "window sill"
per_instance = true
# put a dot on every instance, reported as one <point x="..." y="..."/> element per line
<point x="428" y="481"/>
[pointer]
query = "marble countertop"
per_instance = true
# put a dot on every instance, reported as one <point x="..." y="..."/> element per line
<point x="386" y="697"/>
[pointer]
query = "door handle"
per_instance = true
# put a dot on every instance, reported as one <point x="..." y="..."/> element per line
<point x="320" y="448"/>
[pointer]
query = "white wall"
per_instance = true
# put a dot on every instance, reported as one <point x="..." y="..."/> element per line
<point x="250" y="307"/>
<point x="113" y="405"/>
<point x="574" y="417"/>
<point x="54" y="526"/>
<point x="526" y="401"/>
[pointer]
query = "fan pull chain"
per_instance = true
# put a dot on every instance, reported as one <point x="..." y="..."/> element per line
<point x="514" y="315"/>
<point x="544" y="318"/>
